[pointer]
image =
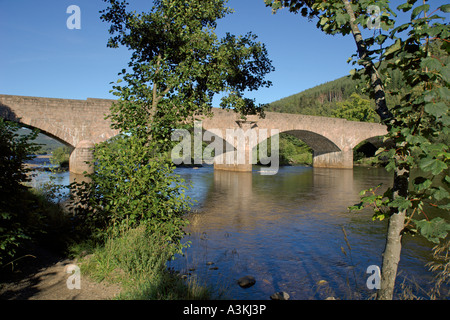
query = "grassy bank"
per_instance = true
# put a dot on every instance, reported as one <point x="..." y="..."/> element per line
<point x="136" y="259"/>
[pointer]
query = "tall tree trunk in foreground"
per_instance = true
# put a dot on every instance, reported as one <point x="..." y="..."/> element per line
<point x="391" y="255"/>
<point x="392" y="251"/>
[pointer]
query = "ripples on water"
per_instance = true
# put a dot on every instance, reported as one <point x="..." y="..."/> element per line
<point x="286" y="230"/>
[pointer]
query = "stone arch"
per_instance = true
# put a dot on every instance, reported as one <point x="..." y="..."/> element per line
<point x="315" y="141"/>
<point x="369" y="146"/>
<point x="48" y="134"/>
<point x="369" y="137"/>
<point x="48" y="127"/>
<point x="325" y="153"/>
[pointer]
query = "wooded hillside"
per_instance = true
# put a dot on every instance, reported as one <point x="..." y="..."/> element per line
<point x="324" y="99"/>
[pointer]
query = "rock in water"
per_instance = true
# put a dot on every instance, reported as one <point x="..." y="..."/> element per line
<point x="280" y="296"/>
<point x="246" y="281"/>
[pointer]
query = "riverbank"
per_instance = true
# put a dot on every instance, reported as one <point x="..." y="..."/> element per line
<point x="126" y="266"/>
<point x="129" y="267"/>
<point x="45" y="278"/>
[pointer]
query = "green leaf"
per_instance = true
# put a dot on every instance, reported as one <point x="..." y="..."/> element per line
<point x="393" y="48"/>
<point x="435" y="166"/>
<point x="445" y="73"/>
<point x="444" y="206"/>
<point x="434" y="229"/>
<point x="444" y="93"/>
<point x="341" y="18"/>
<point x="422" y="183"/>
<point x="419" y="9"/>
<point x="431" y="64"/>
<point x="445" y="8"/>
<point x="440" y="194"/>
<point x="406" y="6"/>
<point x="436" y="109"/>
<point x="323" y="20"/>
<point x="400" y="203"/>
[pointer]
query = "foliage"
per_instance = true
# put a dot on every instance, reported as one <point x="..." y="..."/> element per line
<point x="416" y="125"/>
<point x="126" y="193"/>
<point x="27" y="215"/>
<point x="177" y="55"/>
<point x="356" y="109"/>
<point x="421" y="121"/>
<point x="15" y="214"/>
<point x="422" y="114"/>
<point x="60" y="156"/>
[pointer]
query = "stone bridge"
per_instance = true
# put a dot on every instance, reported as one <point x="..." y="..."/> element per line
<point x="81" y="124"/>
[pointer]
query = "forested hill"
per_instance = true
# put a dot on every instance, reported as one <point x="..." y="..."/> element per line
<point x="330" y="98"/>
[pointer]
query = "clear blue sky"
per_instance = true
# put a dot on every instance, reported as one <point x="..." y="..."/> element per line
<point x="40" y="56"/>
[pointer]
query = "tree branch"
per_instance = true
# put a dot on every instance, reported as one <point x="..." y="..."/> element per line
<point x="156" y="97"/>
<point x="375" y="79"/>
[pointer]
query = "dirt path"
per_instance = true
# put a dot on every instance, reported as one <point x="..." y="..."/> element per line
<point x="47" y="280"/>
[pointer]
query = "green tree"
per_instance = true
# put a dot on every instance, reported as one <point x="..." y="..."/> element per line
<point x="415" y="124"/>
<point x="60" y="156"/>
<point x="177" y="66"/>
<point x="355" y="109"/>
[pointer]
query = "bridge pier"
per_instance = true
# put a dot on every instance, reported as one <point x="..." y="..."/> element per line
<point x="80" y="156"/>
<point x="241" y="167"/>
<point x="243" y="141"/>
<point x="339" y="159"/>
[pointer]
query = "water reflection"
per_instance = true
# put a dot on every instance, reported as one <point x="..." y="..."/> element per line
<point x="286" y="230"/>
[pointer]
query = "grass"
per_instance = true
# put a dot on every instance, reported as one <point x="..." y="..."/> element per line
<point x="136" y="259"/>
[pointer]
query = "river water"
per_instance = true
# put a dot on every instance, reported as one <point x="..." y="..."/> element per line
<point x="291" y="231"/>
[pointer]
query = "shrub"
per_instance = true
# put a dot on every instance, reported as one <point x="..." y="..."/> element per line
<point x="17" y="221"/>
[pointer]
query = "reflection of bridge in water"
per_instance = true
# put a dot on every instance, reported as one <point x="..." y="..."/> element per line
<point x="247" y="198"/>
<point x="80" y="124"/>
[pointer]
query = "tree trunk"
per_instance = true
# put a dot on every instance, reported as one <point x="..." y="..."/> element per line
<point x="391" y="256"/>
<point x="392" y="252"/>
<point x="375" y="80"/>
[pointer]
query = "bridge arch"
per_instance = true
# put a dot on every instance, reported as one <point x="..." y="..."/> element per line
<point x="49" y="130"/>
<point x="315" y="141"/>
<point x="325" y="152"/>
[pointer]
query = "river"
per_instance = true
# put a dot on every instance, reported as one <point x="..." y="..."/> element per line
<point x="291" y="231"/>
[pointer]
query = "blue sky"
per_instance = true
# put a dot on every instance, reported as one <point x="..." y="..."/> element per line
<point x="40" y="56"/>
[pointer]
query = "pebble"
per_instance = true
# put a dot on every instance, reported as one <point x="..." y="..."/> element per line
<point x="322" y="282"/>
<point x="247" y="281"/>
<point x="280" y="296"/>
